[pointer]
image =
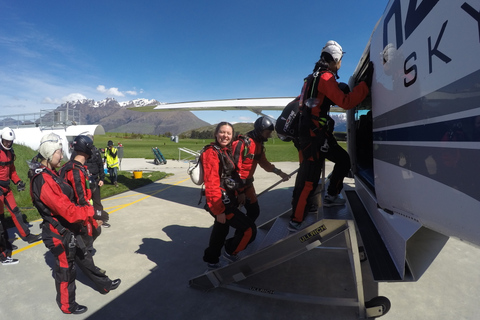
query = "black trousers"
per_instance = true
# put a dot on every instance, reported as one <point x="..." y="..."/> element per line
<point x="245" y="232"/>
<point x="309" y="174"/>
<point x="65" y="271"/>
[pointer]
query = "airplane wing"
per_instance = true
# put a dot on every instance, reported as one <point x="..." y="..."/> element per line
<point x="256" y="105"/>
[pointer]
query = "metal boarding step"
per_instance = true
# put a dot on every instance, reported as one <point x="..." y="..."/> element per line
<point x="381" y="263"/>
<point x="275" y="245"/>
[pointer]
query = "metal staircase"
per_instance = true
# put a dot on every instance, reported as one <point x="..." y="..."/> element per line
<point x="275" y="245"/>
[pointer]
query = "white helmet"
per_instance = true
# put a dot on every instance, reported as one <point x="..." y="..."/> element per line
<point x="334" y="49"/>
<point x="9" y="135"/>
<point x="49" y="144"/>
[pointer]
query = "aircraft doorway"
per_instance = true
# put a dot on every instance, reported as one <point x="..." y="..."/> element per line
<point x="361" y="146"/>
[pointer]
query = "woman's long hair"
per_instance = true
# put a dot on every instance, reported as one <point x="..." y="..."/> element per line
<point x="217" y="129"/>
<point x="323" y="63"/>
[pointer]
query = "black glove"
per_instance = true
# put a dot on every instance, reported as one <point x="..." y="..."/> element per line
<point x="368" y="76"/>
<point x="20" y="186"/>
<point x="101" y="215"/>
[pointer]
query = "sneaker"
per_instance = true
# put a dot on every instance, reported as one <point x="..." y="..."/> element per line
<point x="294" y="226"/>
<point x="115" y="284"/>
<point x="313" y="209"/>
<point x="116" y="184"/>
<point x="330" y="201"/>
<point x="230" y="257"/>
<point x="8" y="261"/>
<point x="31" y="238"/>
<point x="213" y="266"/>
<point x="78" y="310"/>
<point x="106" y="225"/>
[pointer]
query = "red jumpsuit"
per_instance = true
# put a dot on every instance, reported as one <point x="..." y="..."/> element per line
<point x="312" y="131"/>
<point x="7" y="173"/>
<point x="218" y="166"/>
<point x="63" y="222"/>
<point x="247" y="161"/>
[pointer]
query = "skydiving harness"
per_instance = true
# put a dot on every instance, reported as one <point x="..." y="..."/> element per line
<point x="8" y="163"/>
<point x="69" y="239"/>
<point x="229" y="178"/>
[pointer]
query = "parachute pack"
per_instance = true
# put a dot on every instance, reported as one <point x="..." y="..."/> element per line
<point x="287" y="125"/>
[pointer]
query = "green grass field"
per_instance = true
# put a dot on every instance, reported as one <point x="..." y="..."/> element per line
<point x="276" y="149"/>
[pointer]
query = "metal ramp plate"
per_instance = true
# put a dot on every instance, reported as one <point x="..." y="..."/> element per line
<point x="272" y="252"/>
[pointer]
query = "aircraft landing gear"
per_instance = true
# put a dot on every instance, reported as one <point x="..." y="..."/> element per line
<point x="377" y="307"/>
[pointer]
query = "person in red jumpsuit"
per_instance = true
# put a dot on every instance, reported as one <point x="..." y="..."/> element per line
<point x="77" y="175"/>
<point x="221" y="182"/>
<point x="248" y="152"/>
<point x="313" y="139"/>
<point x="7" y="173"/>
<point x="64" y="226"/>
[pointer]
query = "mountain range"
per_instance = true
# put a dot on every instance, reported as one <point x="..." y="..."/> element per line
<point x="115" y="117"/>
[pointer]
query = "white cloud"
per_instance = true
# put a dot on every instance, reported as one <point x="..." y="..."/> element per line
<point x="132" y="93"/>
<point x="74" y="97"/>
<point x="112" y="91"/>
<point x="70" y="97"/>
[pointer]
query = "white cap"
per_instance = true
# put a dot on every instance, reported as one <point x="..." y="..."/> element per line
<point x="334" y="49"/>
<point x="49" y="144"/>
<point x="8" y="135"/>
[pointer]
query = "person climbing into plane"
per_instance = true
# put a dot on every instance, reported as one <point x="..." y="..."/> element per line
<point x="65" y="226"/>
<point x="319" y="92"/>
<point x="221" y="185"/>
<point x="248" y="152"/>
<point x="8" y="173"/>
<point x="111" y="159"/>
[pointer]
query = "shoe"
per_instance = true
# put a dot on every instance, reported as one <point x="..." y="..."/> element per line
<point x="213" y="266"/>
<point x="9" y="261"/>
<point x="313" y="209"/>
<point x="116" y="184"/>
<point x="230" y="257"/>
<point x="115" y="284"/>
<point x="31" y="238"/>
<point x="79" y="310"/>
<point x="106" y="225"/>
<point x="330" y="201"/>
<point x="14" y="247"/>
<point x="294" y="226"/>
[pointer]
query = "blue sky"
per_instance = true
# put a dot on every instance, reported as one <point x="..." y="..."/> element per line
<point x="171" y="51"/>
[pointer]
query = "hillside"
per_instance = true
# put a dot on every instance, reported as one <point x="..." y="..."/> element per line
<point x="114" y="117"/>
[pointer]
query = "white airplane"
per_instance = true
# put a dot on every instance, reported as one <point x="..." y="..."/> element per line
<point x="412" y="141"/>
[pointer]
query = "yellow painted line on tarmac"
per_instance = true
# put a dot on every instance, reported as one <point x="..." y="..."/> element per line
<point x="27" y="247"/>
<point x="119" y="207"/>
<point x="148" y="196"/>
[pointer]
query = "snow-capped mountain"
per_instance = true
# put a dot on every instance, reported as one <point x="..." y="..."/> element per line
<point x="139" y="103"/>
<point x="111" y="102"/>
<point x="115" y="117"/>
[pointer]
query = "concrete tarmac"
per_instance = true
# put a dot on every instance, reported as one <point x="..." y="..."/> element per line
<point x="155" y="245"/>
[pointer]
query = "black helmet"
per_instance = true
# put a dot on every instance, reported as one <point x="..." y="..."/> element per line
<point x="83" y="144"/>
<point x="109" y="143"/>
<point x="263" y="123"/>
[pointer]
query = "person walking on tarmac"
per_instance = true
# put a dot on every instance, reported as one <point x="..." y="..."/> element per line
<point x="76" y="174"/>
<point x="248" y="151"/>
<point x="94" y="164"/>
<point x="319" y="92"/>
<point x="111" y="158"/>
<point x="7" y="173"/>
<point x="221" y="184"/>
<point x="65" y="226"/>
